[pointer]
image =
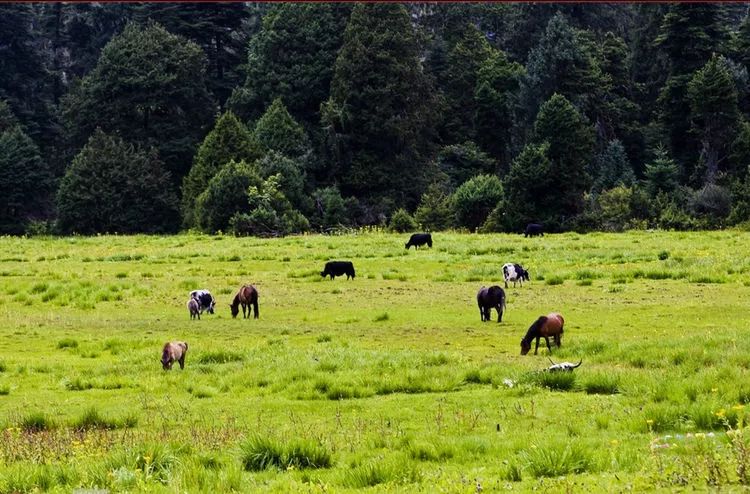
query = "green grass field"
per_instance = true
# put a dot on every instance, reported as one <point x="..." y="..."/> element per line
<point x="390" y="381"/>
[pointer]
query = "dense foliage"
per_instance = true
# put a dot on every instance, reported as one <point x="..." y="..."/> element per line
<point x="362" y="111"/>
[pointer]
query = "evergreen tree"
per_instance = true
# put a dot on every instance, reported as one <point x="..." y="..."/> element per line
<point x="690" y="34"/>
<point x="495" y="96"/>
<point x="291" y="178"/>
<point x="112" y="186"/>
<point x="25" y="181"/>
<point x="219" y="28"/>
<point x="148" y="86"/>
<point x="464" y="161"/>
<point x="571" y="142"/>
<point x="714" y="113"/>
<point x="612" y="167"/>
<point x="434" y="211"/>
<point x="277" y="131"/>
<point x="527" y="187"/>
<point x="460" y="79"/>
<point x="558" y="64"/>
<point x="229" y="140"/>
<point x="661" y="174"/>
<point x="379" y="114"/>
<point x="292" y="58"/>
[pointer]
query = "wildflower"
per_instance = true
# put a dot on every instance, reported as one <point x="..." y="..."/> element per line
<point x="700" y="435"/>
<point x="649" y="421"/>
<point x="614" y="442"/>
<point x="714" y="390"/>
<point x="721" y="413"/>
<point x="738" y="407"/>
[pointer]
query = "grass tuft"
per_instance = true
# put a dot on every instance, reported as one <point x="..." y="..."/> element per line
<point x="219" y="357"/>
<point x="67" y="343"/>
<point x="263" y="453"/>
<point x="37" y="422"/>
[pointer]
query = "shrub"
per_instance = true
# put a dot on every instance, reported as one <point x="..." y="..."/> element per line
<point x="712" y="201"/>
<point x="67" y="343"/>
<point x="402" y="221"/>
<point x="475" y="199"/>
<point x="225" y="196"/>
<point x="434" y="211"/>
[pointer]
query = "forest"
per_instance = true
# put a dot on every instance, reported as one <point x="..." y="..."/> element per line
<point x="273" y="119"/>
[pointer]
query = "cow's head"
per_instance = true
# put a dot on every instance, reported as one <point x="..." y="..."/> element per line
<point x="525" y="275"/>
<point x="210" y="309"/>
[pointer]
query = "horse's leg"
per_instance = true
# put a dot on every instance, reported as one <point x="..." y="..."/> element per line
<point x="536" y="348"/>
<point x="182" y="361"/>
<point x="499" y="309"/>
<point x="548" y="347"/>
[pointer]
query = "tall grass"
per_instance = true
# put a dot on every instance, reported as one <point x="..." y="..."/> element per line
<point x="263" y="453"/>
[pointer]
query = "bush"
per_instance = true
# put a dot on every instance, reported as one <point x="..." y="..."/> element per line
<point x="475" y="199"/>
<point x="402" y="222"/>
<point x="461" y="162"/>
<point x="712" y="201"/>
<point x="225" y="196"/>
<point x="112" y="186"/>
<point x="434" y="211"/>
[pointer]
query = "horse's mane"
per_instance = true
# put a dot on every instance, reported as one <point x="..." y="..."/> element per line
<point x="534" y="328"/>
<point x="236" y="300"/>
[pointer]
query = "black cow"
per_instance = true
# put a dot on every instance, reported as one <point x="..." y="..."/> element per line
<point x="205" y="300"/>
<point x="338" y="268"/>
<point x="533" y="229"/>
<point x="491" y="298"/>
<point x="418" y="240"/>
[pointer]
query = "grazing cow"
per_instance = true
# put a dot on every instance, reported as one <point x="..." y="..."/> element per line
<point x="172" y="352"/>
<point x="514" y="273"/>
<point x="205" y="300"/>
<point x="544" y="327"/>
<point x="563" y="366"/>
<point x="248" y="298"/>
<point x="338" y="268"/>
<point x="491" y="298"/>
<point x="533" y="229"/>
<point x="418" y="240"/>
<point x="194" y="308"/>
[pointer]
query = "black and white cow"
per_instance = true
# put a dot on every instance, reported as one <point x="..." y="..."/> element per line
<point x="515" y="273"/>
<point x="205" y="300"/>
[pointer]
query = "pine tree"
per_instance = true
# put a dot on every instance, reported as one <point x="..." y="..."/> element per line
<point x="612" y="167"/>
<point x="219" y="28"/>
<point x="229" y="140"/>
<point x="690" y="34"/>
<point x="292" y="58"/>
<point x="277" y="131"/>
<point x="714" y="113"/>
<point x="495" y="96"/>
<point x="661" y="174"/>
<point x="558" y="64"/>
<point x="148" y="86"/>
<point x="459" y="81"/>
<point x="25" y="179"/>
<point x="112" y="186"/>
<point x="571" y="141"/>
<point x="464" y="161"/>
<point x="379" y="114"/>
<point x="527" y="187"/>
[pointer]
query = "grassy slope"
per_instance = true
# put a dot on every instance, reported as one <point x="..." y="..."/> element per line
<point x="393" y="373"/>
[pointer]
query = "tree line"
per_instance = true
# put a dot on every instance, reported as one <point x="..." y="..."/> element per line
<point x="270" y="119"/>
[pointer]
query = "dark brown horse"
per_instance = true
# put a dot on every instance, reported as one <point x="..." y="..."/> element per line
<point x="491" y="298"/>
<point x="544" y="327"/>
<point x="247" y="297"/>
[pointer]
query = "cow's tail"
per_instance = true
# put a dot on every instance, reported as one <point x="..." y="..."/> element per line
<point x="186" y="345"/>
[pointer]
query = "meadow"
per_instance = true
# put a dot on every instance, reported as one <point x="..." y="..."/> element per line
<point x="388" y="382"/>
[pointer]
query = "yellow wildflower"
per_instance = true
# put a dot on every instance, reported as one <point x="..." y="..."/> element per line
<point x="738" y="407"/>
<point x="721" y="413"/>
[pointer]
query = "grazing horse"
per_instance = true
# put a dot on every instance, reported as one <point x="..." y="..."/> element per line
<point x="194" y="308"/>
<point x="544" y="327"/>
<point x="247" y="297"/>
<point x="491" y="298"/>
<point x="173" y="351"/>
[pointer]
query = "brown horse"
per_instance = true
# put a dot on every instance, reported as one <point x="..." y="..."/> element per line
<point x="246" y="297"/>
<point x="172" y="352"/>
<point x="544" y="327"/>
